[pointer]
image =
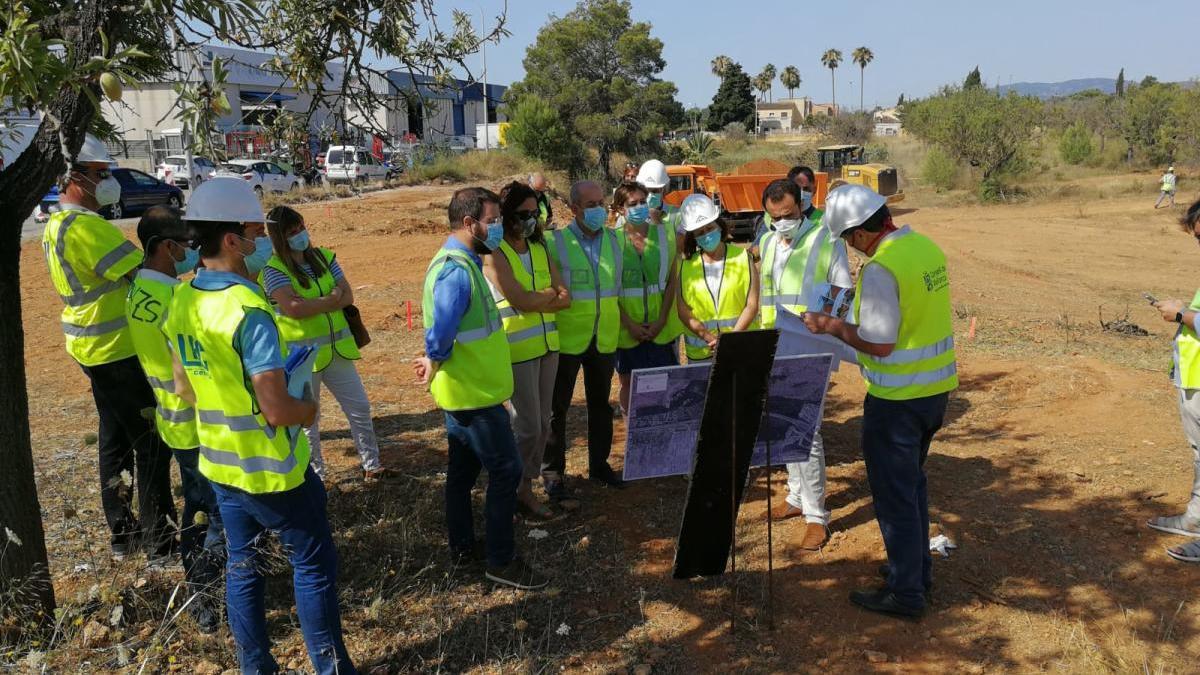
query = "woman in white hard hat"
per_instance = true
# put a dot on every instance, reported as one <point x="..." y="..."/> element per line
<point x="718" y="289"/>
<point x="311" y="296"/>
<point x="528" y="290"/>
<point x="649" y="325"/>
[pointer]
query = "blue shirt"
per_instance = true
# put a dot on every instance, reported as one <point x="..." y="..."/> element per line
<point x="451" y="297"/>
<point x="591" y="245"/>
<point x="258" y="337"/>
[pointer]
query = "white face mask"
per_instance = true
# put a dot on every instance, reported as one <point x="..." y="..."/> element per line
<point x="787" y="227"/>
<point x="107" y="192"/>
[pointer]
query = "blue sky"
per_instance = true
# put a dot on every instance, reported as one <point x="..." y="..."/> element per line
<point x="918" y="45"/>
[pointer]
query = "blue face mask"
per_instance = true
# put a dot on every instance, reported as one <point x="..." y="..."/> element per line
<point x="495" y="234"/>
<point x="258" y="259"/>
<point x="595" y="217"/>
<point x="654" y="200"/>
<point x="709" y="241"/>
<point x="637" y="214"/>
<point x="807" y="197"/>
<point x="191" y="258"/>
<point x="299" y="241"/>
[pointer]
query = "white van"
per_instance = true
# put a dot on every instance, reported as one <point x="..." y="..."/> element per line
<point x="351" y="164"/>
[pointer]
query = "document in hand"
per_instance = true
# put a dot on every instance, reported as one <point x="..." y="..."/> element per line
<point x="299" y="369"/>
<point x="796" y="340"/>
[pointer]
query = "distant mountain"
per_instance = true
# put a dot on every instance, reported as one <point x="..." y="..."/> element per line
<point x="1107" y="85"/>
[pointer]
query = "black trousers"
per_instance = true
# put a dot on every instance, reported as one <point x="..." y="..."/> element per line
<point x="131" y="454"/>
<point x="597" y="385"/>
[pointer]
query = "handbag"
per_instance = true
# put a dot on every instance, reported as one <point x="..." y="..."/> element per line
<point x="358" y="329"/>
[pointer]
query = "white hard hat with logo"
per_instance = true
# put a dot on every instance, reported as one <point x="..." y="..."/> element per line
<point x="653" y="175"/>
<point x="224" y="199"/>
<point x="849" y="206"/>
<point x="93" y="152"/>
<point x="697" y="211"/>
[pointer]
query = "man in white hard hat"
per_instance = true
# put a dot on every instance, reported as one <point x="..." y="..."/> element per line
<point x="903" y="331"/>
<point x="653" y="176"/>
<point x="229" y="362"/>
<point x="798" y="257"/>
<point x="91" y="264"/>
<point x="1168" y="188"/>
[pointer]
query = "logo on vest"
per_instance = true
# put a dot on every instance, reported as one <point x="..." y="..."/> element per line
<point x="191" y="354"/>
<point x="936" y="280"/>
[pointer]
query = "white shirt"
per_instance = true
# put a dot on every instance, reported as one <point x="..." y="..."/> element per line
<point x="713" y="274"/>
<point x="154" y="275"/>
<point x="839" y="264"/>
<point x="879" y="308"/>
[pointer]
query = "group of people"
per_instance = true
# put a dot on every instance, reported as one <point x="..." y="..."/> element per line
<point x="514" y="308"/>
<point x="209" y="357"/>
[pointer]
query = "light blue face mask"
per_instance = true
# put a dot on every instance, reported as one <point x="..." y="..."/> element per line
<point x="637" y="214"/>
<point x="495" y="234"/>
<point x="299" y="241"/>
<point x="654" y="200"/>
<point x="806" y="201"/>
<point x="709" y="241"/>
<point x="595" y="217"/>
<point x="191" y="258"/>
<point x="258" y="259"/>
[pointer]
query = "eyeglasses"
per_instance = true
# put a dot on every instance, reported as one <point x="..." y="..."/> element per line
<point x="524" y="215"/>
<point x="101" y="174"/>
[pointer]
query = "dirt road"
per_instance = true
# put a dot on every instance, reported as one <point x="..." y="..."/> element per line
<point x="1061" y="442"/>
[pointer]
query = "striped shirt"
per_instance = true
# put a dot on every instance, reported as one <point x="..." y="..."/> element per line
<point x="276" y="280"/>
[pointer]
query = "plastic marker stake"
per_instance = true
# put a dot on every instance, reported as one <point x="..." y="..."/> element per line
<point x="971" y="331"/>
<point x="408" y="311"/>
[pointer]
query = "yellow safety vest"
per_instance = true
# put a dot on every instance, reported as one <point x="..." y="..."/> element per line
<point x="328" y="332"/>
<point x="1187" y="352"/>
<point x="531" y="335"/>
<point x="807" y="265"/>
<point x="923" y="361"/>
<point x="594" y="311"/>
<point x="719" y="314"/>
<point x="644" y="280"/>
<point x="145" y="309"/>
<point x="478" y="373"/>
<point x="88" y="259"/>
<point x="238" y="447"/>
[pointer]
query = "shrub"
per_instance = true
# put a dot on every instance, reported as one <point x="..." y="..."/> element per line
<point x="938" y="169"/>
<point x="1075" y="146"/>
<point x="537" y="131"/>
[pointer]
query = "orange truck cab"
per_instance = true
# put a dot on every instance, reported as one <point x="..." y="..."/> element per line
<point x="739" y="195"/>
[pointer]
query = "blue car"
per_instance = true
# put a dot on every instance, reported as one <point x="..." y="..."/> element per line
<point x="140" y="191"/>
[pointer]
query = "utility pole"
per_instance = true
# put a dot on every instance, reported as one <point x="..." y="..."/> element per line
<point x="487" y="141"/>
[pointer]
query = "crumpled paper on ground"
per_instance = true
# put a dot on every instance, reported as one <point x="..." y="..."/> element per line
<point x="942" y="544"/>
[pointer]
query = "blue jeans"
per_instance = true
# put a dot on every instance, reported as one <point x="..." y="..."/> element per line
<point x="298" y="518"/>
<point x="482" y="439"/>
<point x="895" y="439"/>
<point x="202" y="547"/>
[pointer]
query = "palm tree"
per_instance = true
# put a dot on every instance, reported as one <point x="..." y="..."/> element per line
<point x="763" y="84"/>
<point x="790" y="78"/>
<point x="831" y="59"/>
<point x="699" y="148"/>
<point x="768" y="73"/>
<point x="862" y="56"/>
<point x="720" y="65"/>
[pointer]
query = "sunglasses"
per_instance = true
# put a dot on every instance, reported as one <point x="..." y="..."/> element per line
<point x="524" y="215"/>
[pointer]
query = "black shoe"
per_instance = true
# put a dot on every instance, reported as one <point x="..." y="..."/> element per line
<point x="518" y="575"/>
<point x="884" y="601"/>
<point x="472" y="556"/>
<point x="607" y="477"/>
<point x="885" y="570"/>
<point x="556" y="489"/>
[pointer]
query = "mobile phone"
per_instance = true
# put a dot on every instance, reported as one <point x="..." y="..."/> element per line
<point x="1150" y="298"/>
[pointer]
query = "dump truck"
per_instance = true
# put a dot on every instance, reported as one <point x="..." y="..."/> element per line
<point x="737" y="194"/>
<point x="845" y="162"/>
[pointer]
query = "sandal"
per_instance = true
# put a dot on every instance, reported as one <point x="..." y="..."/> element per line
<point x="537" y="512"/>
<point x="1189" y="552"/>
<point x="1181" y="525"/>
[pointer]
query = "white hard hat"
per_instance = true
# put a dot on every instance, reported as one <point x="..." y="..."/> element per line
<point x="850" y="206"/>
<point x="224" y="199"/>
<point x="653" y="174"/>
<point x="93" y="151"/>
<point x="1170" y="169"/>
<point x="697" y="211"/>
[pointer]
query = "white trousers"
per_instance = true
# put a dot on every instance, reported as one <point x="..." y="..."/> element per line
<point x="1189" y="413"/>
<point x="806" y="484"/>
<point x="342" y="380"/>
<point x="533" y="391"/>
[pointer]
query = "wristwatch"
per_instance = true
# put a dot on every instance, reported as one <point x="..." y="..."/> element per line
<point x="1178" y="317"/>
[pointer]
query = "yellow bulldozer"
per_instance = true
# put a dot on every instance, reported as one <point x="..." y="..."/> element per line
<point x="845" y="163"/>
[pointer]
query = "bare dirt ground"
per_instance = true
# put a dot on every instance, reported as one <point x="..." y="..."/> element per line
<point x="1061" y="442"/>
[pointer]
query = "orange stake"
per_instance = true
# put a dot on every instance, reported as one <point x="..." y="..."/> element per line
<point x="971" y="331"/>
<point x="408" y="311"/>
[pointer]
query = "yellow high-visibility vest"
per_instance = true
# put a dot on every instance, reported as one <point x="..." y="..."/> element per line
<point x="327" y="332"/>
<point x="719" y="314"/>
<point x="478" y="373"/>
<point x="923" y="361"/>
<point x="88" y="259"/>
<point x="238" y="447"/>
<point x="644" y="281"/>
<point x="594" y="310"/>
<point x="1187" y="351"/>
<point x="807" y="265"/>
<point x="530" y="334"/>
<point x="145" y="309"/>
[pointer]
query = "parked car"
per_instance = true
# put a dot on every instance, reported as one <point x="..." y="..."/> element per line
<point x="263" y="176"/>
<point x="47" y="206"/>
<point x="350" y="164"/>
<point x="140" y="191"/>
<point x="173" y="169"/>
